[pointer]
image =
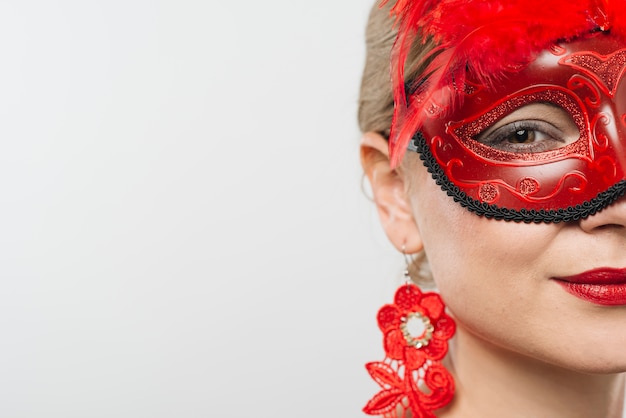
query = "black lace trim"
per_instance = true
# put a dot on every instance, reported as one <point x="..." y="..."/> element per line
<point x="572" y="213"/>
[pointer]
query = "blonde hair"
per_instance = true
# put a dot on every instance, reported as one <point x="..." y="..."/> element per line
<point x="376" y="99"/>
<point x="376" y="96"/>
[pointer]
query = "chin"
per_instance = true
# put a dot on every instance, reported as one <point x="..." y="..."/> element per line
<point x="603" y="370"/>
<point x="597" y="363"/>
<point x="613" y="366"/>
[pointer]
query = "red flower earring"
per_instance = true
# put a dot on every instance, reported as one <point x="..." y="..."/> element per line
<point x="416" y="331"/>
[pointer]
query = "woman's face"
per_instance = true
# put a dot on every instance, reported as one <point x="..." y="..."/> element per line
<point x="551" y="291"/>
<point x="499" y="279"/>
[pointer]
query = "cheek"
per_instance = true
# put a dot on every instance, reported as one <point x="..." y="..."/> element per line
<point x="469" y="253"/>
<point x="484" y="269"/>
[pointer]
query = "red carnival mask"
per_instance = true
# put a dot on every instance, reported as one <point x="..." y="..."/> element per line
<point x="519" y="111"/>
<point x="545" y="144"/>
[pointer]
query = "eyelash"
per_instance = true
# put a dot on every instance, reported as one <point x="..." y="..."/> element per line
<point x="498" y="139"/>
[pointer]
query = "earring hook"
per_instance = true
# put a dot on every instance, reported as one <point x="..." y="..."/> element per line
<point x="407" y="262"/>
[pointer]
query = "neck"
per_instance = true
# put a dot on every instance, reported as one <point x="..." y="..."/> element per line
<point x="493" y="382"/>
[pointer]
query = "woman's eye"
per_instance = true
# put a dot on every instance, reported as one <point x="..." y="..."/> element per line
<point x="529" y="136"/>
<point x="522" y="136"/>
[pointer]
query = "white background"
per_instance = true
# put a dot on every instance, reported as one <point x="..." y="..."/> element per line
<point x="183" y="230"/>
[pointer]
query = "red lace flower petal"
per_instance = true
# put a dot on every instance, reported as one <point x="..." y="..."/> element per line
<point x="433" y="305"/>
<point x="384" y="375"/>
<point x="394" y="344"/>
<point x="444" y="328"/>
<point x="436" y="349"/>
<point x="383" y="402"/>
<point x="388" y="318"/>
<point x="408" y="297"/>
<point x="413" y="358"/>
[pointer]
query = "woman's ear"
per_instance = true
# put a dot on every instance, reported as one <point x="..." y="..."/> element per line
<point x="390" y="197"/>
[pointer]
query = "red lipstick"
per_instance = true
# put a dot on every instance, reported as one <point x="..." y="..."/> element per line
<point x="603" y="286"/>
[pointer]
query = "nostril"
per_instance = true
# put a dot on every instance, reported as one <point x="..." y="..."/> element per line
<point x="611" y="217"/>
<point x="610" y="226"/>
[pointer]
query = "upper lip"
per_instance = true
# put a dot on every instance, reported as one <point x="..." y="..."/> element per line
<point x="599" y="276"/>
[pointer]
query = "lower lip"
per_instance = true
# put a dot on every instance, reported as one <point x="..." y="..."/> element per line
<point x="600" y="294"/>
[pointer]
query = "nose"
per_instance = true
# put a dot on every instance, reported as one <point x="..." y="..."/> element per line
<point x="613" y="216"/>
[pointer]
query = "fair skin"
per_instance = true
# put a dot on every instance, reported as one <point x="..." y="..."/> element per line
<point x="524" y="347"/>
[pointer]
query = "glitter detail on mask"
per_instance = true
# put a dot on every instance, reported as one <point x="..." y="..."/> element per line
<point x="437" y="104"/>
<point x="470" y="89"/>
<point x="528" y="186"/>
<point x="488" y="192"/>
<point x="607" y="70"/>
<point x="465" y="131"/>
